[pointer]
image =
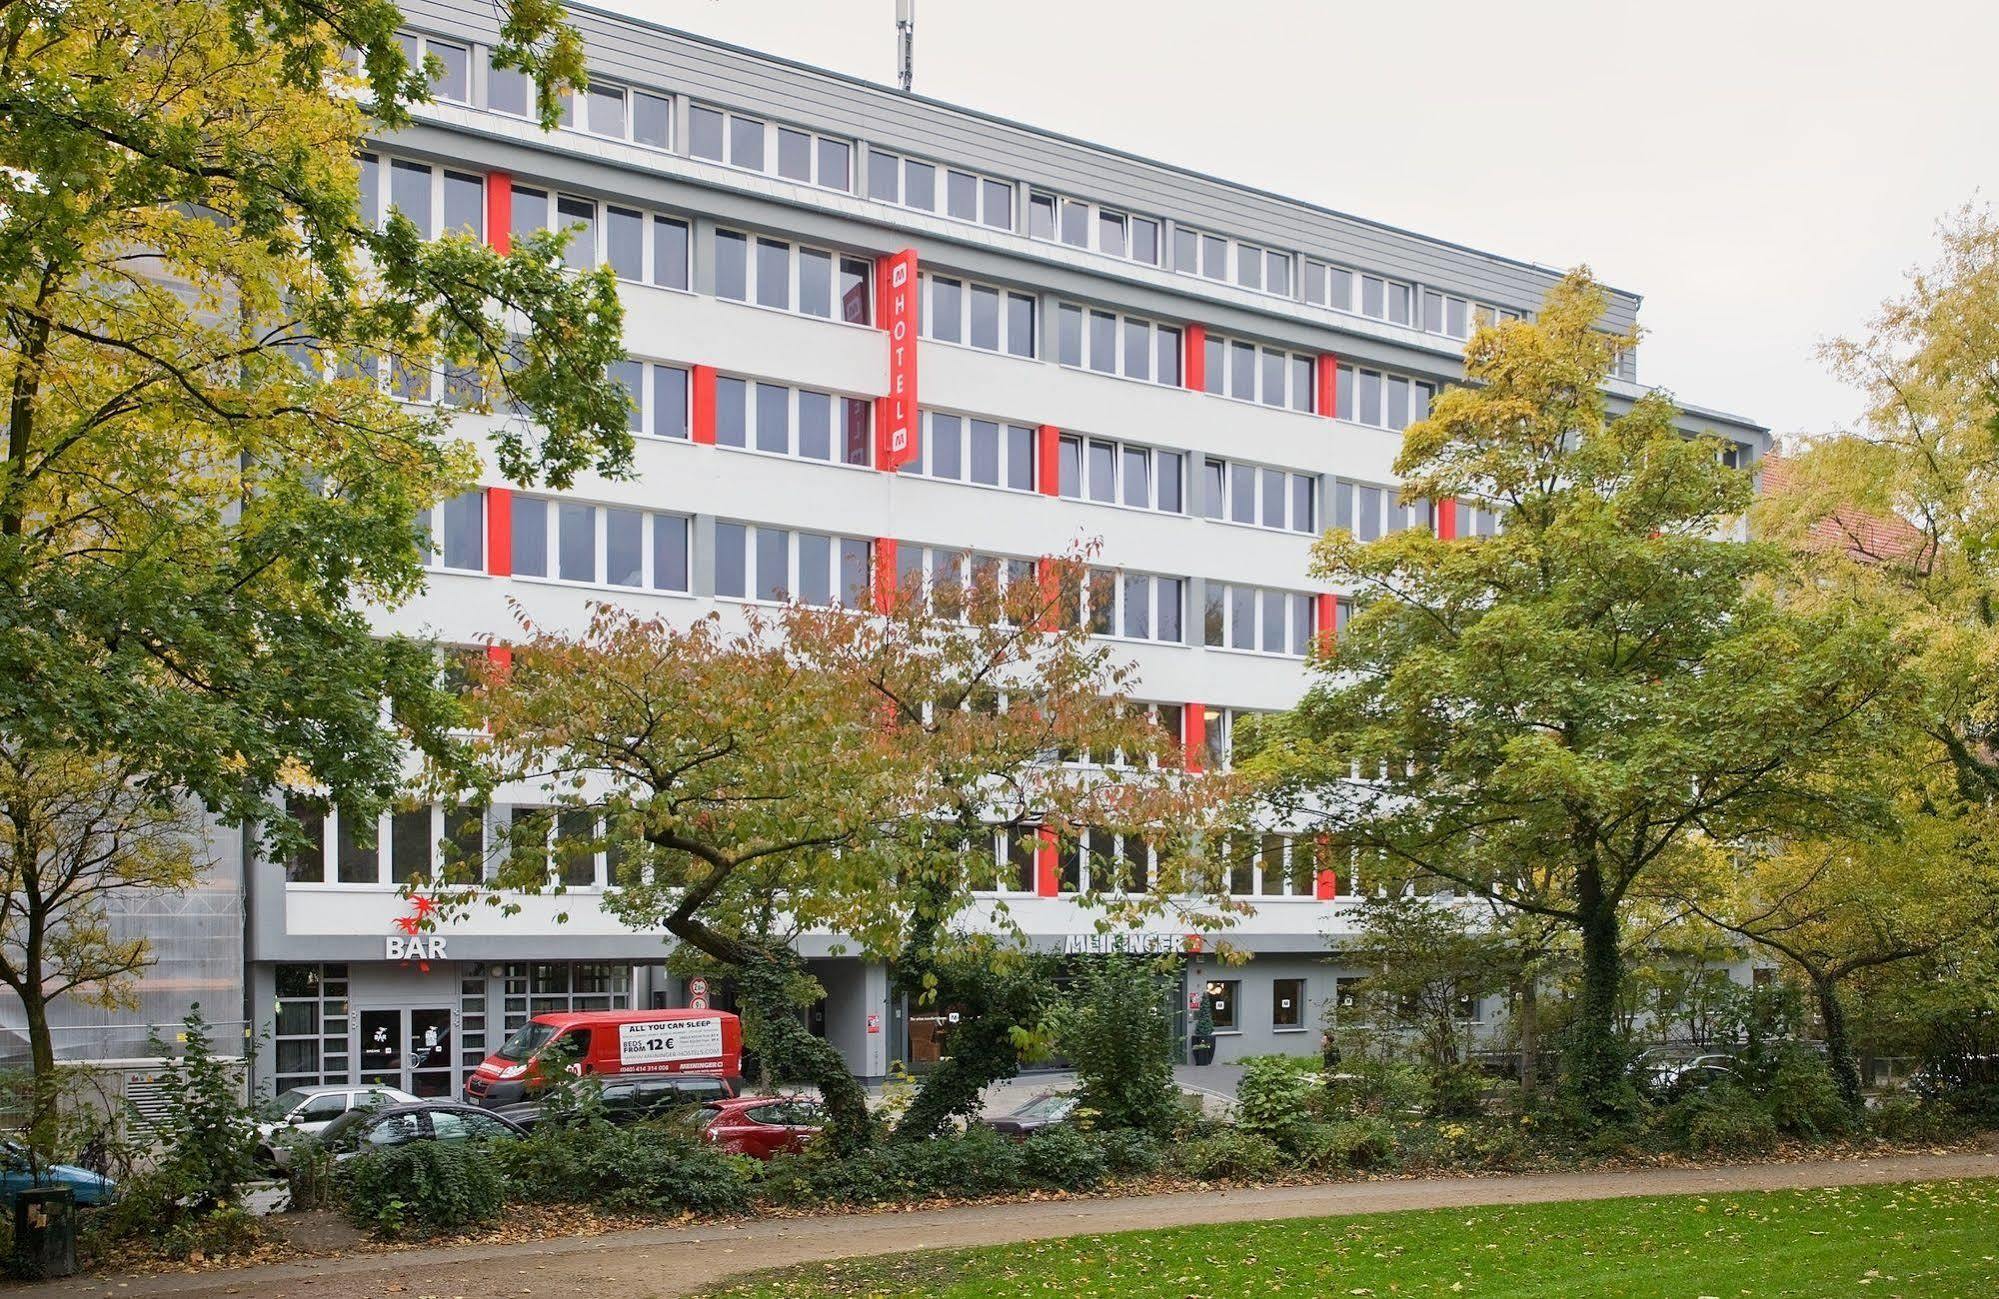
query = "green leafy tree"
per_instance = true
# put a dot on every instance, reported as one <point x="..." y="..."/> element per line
<point x="827" y="770"/>
<point x="76" y="832"/>
<point x="1607" y="680"/>
<point x="203" y="479"/>
<point x="1114" y="1028"/>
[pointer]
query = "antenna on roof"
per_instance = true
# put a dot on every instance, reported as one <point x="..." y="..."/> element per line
<point x="905" y="42"/>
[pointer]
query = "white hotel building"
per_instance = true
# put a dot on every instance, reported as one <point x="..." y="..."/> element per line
<point x="1199" y="374"/>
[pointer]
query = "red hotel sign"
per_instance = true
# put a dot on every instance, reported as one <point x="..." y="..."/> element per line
<point x="895" y="420"/>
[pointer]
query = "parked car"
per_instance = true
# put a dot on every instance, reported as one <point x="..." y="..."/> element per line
<point x="611" y="1043"/>
<point x="632" y="1100"/>
<point x="18" y="1174"/>
<point x="396" y="1125"/>
<point x="305" y="1111"/>
<point x="1697" y="1074"/>
<point x="762" y="1126"/>
<point x="1045" y="1111"/>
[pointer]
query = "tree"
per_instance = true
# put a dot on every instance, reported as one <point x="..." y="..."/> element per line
<point x="203" y="479"/>
<point x="828" y="770"/>
<point x="1607" y="680"/>
<point x="76" y="830"/>
<point x="1114" y="1028"/>
<point x="1835" y="909"/>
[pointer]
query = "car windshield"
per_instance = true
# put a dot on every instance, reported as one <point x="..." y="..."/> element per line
<point x="527" y="1039"/>
<point x="281" y="1104"/>
<point x="341" y="1131"/>
<point x="1046" y="1107"/>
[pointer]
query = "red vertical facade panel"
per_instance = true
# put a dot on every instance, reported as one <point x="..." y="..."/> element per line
<point x="1326" y="887"/>
<point x="884" y="582"/>
<point x="1196" y="738"/>
<point x="499" y="211"/>
<point x="499" y="532"/>
<point x="500" y="656"/>
<point x="1326" y="400"/>
<point x="1447" y="518"/>
<point x="1047" y="873"/>
<point x="701" y="404"/>
<point x="1048" y="461"/>
<point x="896" y="430"/>
<point x="1194" y="372"/>
<point x="1329" y="621"/>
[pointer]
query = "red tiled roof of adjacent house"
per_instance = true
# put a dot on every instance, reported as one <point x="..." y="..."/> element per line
<point x="1870" y="538"/>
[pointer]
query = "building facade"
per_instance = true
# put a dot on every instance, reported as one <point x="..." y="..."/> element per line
<point x="870" y="332"/>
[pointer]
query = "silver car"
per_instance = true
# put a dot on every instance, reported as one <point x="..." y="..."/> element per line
<point x="300" y="1112"/>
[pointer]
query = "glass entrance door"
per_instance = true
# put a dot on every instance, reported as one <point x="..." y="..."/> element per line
<point x="409" y="1047"/>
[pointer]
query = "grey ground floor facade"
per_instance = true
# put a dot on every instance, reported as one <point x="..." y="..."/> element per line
<point x="423" y="1025"/>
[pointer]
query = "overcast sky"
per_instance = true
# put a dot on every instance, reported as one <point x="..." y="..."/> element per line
<point x="1763" y="172"/>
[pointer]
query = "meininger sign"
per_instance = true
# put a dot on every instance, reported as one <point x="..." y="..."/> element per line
<point x="664" y="1044"/>
<point x="895" y="422"/>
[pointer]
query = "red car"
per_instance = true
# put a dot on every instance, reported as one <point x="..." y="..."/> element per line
<point x="762" y="1126"/>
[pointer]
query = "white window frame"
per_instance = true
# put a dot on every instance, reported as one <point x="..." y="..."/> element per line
<point x="927" y="317"/>
<point x="836" y="434"/>
<point x="925" y="463"/>
<point x="940" y="189"/>
<point x="1154" y="331"/>
<point x="600" y="562"/>
<point x="794" y="261"/>
<point x="1296" y="604"/>
<point x="792" y="557"/>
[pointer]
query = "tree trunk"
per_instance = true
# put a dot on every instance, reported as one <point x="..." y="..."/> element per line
<point x="767" y="976"/>
<point x="1530" y="1038"/>
<point x="1838" y="1045"/>
<point x="1596" y="1054"/>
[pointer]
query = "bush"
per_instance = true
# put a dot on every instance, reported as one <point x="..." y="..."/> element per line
<point x="1455" y="1092"/>
<point x="1364" y="1142"/>
<point x="1128" y="1153"/>
<point x="1724" y="1119"/>
<point x="1278" y="1096"/>
<point x="1064" y="1158"/>
<point x="1230" y="1153"/>
<point x="1901" y="1118"/>
<point x="661" y="1166"/>
<point x="1372" y="1085"/>
<point x="978" y="1161"/>
<point x="1115" y="1030"/>
<point x="1804" y="1100"/>
<point x="422" y="1188"/>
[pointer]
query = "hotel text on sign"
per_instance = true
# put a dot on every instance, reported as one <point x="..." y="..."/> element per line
<point x="895" y="424"/>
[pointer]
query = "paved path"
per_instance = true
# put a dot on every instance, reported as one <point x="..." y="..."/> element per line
<point x="661" y="1262"/>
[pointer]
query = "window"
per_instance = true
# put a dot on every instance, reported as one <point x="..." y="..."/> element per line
<point x="756" y="562"/>
<point x="1389" y="401"/>
<point x="1138" y="606"/>
<point x="1124" y="473"/>
<point x="948" y="191"/>
<point x="1287" y="1004"/>
<point x="606" y="545"/>
<point x="309" y="1035"/>
<point x="561" y="987"/>
<point x="781" y="420"/>
<point x="968" y="449"/>
<point x="508" y="91"/>
<point x="1257" y="619"/>
<point x="1120" y="345"/>
<point x="791" y="152"/>
<point x="810" y="281"/>
<point x="1074" y="222"/>
<point x="437" y="200"/>
<point x="452" y="80"/>
<point x="1261" y="496"/>
<point x="643" y="247"/>
<point x="1251" y="372"/>
<point x="977" y="315"/>
<point x="1221" y="1001"/>
<point x="458" y="540"/>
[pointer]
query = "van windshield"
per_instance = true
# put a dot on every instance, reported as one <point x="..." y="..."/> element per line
<point x="527" y="1039"/>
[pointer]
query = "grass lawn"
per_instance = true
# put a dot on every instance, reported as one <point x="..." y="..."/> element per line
<point x="1934" y="1239"/>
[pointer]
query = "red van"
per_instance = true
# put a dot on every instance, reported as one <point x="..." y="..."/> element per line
<point x="608" y="1042"/>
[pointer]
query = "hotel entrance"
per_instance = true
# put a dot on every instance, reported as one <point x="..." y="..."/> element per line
<point x="408" y="1047"/>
